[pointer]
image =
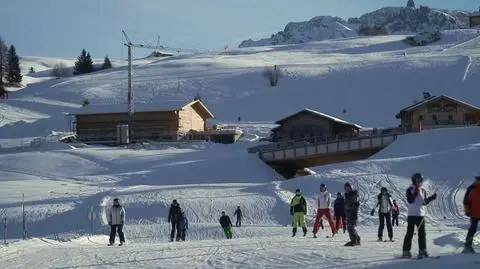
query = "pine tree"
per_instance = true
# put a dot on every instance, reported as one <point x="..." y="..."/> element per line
<point x="106" y="63"/>
<point x="84" y="63"/>
<point x="14" y="76"/>
<point x="411" y="4"/>
<point x="3" y="59"/>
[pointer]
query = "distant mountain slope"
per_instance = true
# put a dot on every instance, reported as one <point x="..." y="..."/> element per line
<point x="393" y="19"/>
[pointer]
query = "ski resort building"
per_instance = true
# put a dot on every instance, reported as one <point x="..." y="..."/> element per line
<point x="474" y="20"/>
<point x="309" y="124"/>
<point x="438" y="112"/>
<point x="163" y="121"/>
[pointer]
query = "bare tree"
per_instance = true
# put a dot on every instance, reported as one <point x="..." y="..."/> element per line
<point x="3" y="59"/>
<point x="273" y="74"/>
<point x="60" y="70"/>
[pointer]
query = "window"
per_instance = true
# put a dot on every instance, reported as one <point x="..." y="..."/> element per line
<point x="434" y="118"/>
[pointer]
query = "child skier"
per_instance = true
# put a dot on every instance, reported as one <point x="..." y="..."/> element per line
<point x="395" y="213"/>
<point x="351" y="211"/>
<point x="324" y="202"/>
<point x="385" y="204"/>
<point x="417" y="201"/>
<point x="226" y="224"/>
<point x="298" y="209"/>
<point x="339" y="212"/>
<point x="471" y="203"/>
<point x="182" y="226"/>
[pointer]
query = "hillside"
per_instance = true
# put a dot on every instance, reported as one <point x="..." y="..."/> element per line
<point x="394" y="20"/>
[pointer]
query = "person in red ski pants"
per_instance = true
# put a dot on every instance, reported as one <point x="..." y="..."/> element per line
<point x="324" y="202"/>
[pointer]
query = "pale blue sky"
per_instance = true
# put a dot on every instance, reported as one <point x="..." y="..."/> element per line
<point x="63" y="27"/>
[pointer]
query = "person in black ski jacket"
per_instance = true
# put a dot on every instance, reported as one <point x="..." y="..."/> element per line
<point x="385" y="204"/>
<point x="183" y="225"/>
<point x="226" y="224"/>
<point x="339" y="212"/>
<point x="238" y="214"/>
<point x="174" y="218"/>
<point x="351" y="211"/>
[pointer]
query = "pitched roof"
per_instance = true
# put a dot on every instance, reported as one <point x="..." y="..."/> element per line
<point x="166" y="105"/>
<point x="475" y="14"/>
<point x="436" y="98"/>
<point x="319" y="114"/>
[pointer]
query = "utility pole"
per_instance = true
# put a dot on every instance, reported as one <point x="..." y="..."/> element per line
<point x="24" y="223"/>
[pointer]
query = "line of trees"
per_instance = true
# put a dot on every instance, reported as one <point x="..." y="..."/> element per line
<point x="84" y="63"/>
<point x="9" y="68"/>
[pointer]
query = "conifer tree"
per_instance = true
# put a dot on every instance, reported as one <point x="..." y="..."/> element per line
<point x="3" y="60"/>
<point x="84" y="63"/>
<point x="106" y="63"/>
<point x="411" y="4"/>
<point x="14" y="76"/>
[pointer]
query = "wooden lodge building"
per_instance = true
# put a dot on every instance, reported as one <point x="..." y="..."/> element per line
<point x="474" y="20"/>
<point x="438" y="112"/>
<point x="309" y="124"/>
<point x="163" y="121"/>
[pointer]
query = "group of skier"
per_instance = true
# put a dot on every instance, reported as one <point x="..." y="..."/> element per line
<point x="345" y="215"/>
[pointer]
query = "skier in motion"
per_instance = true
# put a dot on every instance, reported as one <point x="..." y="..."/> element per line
<point x="116" y="219"/>
<point x="351" y="211"/>
<point x="174" y="219"/>
<point x="417" y="201"/>
<point x="385" y="204"/>
<point x="471" y="203"/>
<point x="339" y="212"/>
<point x="238" y="214"/>
<point x="298" y="209"/>
<point x="226" y="224"/>
<point x="324" y="202"/>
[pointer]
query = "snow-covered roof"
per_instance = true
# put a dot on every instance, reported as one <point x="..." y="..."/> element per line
<point x="166" y="105"/>
<point x="319" y="114"/>
<point x="436" y="98"/>
<point x="475" y="14"/>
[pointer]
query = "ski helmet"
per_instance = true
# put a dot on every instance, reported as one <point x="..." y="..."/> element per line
<point x="323" y="186"/>
<point x="417" y="178"/>
<point x="297" y="191"/>
<point x="339" y="194"/>
<point x="384" y="189"/>
<point x="348" y="185"/>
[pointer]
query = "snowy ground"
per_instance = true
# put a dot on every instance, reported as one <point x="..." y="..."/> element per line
<point x="61" y="183"/>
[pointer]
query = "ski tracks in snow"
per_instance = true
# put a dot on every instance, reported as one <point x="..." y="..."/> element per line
<point x="467" y="68"/>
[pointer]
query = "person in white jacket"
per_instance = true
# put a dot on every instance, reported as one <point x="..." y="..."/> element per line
<point x="324" y="202"/>
<point x="116" y="219"/>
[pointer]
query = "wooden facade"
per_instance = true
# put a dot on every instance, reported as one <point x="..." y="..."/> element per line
<point x="439" y="112"/>
<point x="311" y="125"/>
<point x="172" y="122"/>
<point x="474" y="20"/>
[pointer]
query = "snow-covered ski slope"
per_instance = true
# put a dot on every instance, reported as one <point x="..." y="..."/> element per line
<point x="354" y="74"/>
<point x="62" y="182"/>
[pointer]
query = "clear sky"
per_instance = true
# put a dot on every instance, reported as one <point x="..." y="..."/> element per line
<point x="61" y="28"/>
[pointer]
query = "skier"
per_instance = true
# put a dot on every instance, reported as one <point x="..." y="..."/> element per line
<point x="183" y="225"/>
<point x="395" y="213"/>
<point x="238" y="214"/>
<point x="471" y="203"/>
<point x="226" y="224"/>
<point x="324" y="202"/>
<point x="339" y="212"/>
<point x="385" y="205"/>
<point x="298" y="209"/>
<point x="116" y="219"/>
<point x="417" y="201"/>
<point x="351" y="211"/>
<point x="174" y="219"/>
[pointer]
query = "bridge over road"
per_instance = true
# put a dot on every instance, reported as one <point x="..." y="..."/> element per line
<point x="289" y="158"/>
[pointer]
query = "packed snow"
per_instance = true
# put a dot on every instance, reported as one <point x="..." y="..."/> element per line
<point x="61" y="183"/>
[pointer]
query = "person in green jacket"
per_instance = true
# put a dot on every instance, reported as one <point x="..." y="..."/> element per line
<point x="298" y="209"/>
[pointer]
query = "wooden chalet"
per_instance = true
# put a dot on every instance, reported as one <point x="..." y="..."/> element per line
<point x="309" y="124"/>
<point x="438" y="112"/>
<point x="474" y="20"/>
<point x="162" y="121"/>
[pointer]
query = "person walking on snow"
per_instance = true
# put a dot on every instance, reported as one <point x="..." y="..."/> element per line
<point x="385" y="204"/>
<point x="238" y="214"/>
<point x="351" y="211"/>
<point x="339" y="212"/>
<point x="226" y="224"/>
<point x="183" y="225"/>
<point x="116" y="219"/>
<point x="417" y="201"/>
<point x="298" y="209"/>
<point x="395" y="213"/>
<point x="324" y="203"/>
<point x="174" y="219"/>
<point x="471" y="203"/>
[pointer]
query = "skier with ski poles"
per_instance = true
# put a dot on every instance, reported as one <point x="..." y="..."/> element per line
<point x="417" y="201"/>
<point x="471" y="203"/>
<point x="385" y="204"/>
<point x="116" y="219"/>
<point x="324" y="202"/>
